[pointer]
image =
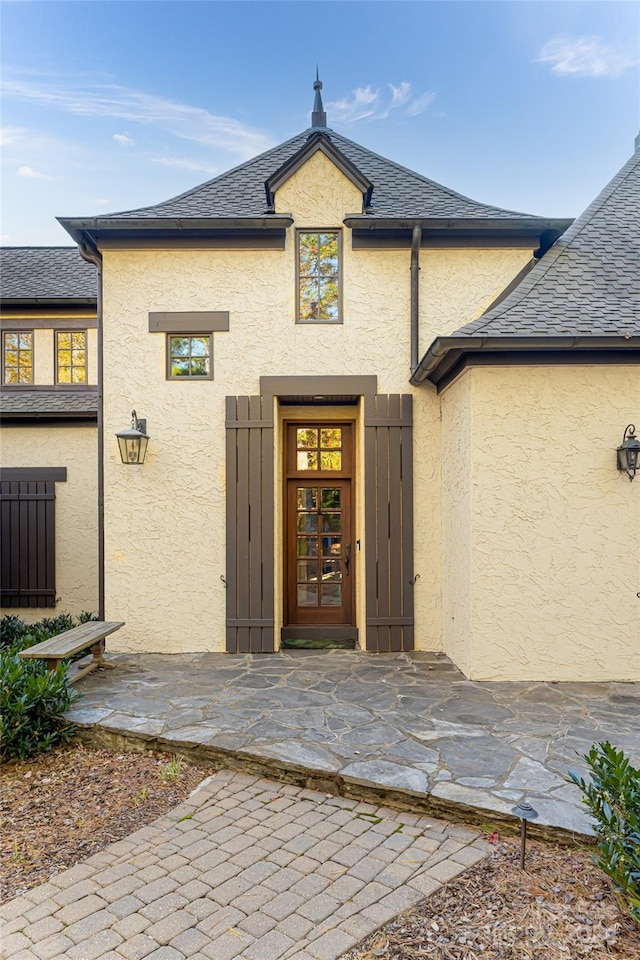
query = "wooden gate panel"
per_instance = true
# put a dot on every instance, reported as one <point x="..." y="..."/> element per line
<point x="389" y="522"/>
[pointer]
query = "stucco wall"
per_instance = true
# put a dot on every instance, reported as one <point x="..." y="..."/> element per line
<point x="76" y="509"/>
<point x="555" y="570"/>
<point x="165" y="521"/>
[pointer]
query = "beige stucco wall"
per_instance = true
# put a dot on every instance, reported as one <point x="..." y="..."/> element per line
<point x="76" y="509"/>
<point x="551" y="588"/>
<point x="165" y="521"/>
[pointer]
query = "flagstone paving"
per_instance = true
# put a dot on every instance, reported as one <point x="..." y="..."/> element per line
<point x="245" y="868"/>
<point x="407" y="724"/>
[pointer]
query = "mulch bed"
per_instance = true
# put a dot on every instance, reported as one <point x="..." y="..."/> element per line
<point x="561" y="908"/>
<point x="59" y="808"/>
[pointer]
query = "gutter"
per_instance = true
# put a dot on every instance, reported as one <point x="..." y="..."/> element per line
<point x="91" y="254"/>
<point x="441" y="347"/>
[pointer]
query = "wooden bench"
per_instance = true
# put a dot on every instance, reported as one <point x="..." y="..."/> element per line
<point x="91" y="634"/>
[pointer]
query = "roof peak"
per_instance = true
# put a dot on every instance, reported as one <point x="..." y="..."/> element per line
<point x="318" y="114"/>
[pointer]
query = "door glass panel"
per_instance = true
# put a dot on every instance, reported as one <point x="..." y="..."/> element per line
<point x="330" y="460"/>
<point x="307" y="522"/>
<point x="307" y="459"/>
<point x="307" y="570"/>
<point x="307" y="498"/>
<point x="331" y="523"/>
<point x="331" y="570"/>
<point x="331" y="594"/>
<point x="332" y="546"/>
<point x="330" y="498"/>
<point x="331" y="437"/>
<point x="307" y="547"/>
<point x="306" y="437"/>
<point x="307" y="595"/>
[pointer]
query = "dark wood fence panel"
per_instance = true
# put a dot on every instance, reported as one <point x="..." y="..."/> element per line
<point x="250" y="534"/>
<point x="389" y="522"/>
<point x="27" y="543"/>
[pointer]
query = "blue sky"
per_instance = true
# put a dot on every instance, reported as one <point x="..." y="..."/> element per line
<point x="113" y="105"/>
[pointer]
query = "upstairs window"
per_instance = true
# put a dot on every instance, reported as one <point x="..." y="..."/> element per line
<point x="189" y="357"/>
<point x="71" y="357"/>
<point x="319" y="276"/>
<point x="17" y="357"/>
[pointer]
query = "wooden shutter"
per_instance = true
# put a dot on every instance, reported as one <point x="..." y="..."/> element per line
<point x="27" y="543"/>
<point x="389" y="522"/>
<point x="250" y="543"/>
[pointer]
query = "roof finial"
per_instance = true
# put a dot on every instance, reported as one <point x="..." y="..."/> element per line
<point x="318" y="116"/>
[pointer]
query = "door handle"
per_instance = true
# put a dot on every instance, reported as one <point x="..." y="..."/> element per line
<point x="347" y="557"/>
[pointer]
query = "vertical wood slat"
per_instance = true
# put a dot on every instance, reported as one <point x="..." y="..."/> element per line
<point x="27" y="543"/>
<point x="250" y="535"/>
<point x="389" y="522"/>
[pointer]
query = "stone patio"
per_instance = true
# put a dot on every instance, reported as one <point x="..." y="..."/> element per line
<point x="406" y="728"/>
<point x="244" y="868"/>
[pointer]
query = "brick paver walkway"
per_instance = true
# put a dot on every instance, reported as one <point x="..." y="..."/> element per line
<point x="244" y="868"/>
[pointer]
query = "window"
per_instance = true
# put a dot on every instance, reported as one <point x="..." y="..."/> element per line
<point x="319" y="448"/>
<point x="319" y="276"/>
<point x="71" y="357"/>
<point x="27" y="536"/>
<point x="17" y="357"/>
<point x="189" y="357"/>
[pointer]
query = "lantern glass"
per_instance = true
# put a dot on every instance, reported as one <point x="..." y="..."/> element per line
<point x="133" y="442"/>
<point x="629" y="452"/>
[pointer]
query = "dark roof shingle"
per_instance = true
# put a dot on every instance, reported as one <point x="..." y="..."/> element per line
<point x="397" y="191"/>
<point x="588" y="283"/>
<point x="46" y="273"/>
<point x="48" y="403"/>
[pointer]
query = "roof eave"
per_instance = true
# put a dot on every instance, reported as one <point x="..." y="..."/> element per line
<point x="529" y="225"/>
<point x="445" y="353"/>
<point x="7" y="303"/>
<point x="79" y="228"/>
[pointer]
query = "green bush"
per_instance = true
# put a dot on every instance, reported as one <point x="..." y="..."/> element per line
<point x="32" y="703"/>
<point x="613" y="797"/>
<point x="17" y="635"/>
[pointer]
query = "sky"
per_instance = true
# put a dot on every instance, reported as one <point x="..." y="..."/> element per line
<point x="112" y="105"/>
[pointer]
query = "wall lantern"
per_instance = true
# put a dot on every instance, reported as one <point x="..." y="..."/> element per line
<point x="133" y="442"/>
<point x="629" y="452"/>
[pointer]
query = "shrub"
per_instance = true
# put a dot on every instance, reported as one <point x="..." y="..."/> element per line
<point x="613" y="797"/>
<point x="17" y="635"/>
<point x="32" y="703"/>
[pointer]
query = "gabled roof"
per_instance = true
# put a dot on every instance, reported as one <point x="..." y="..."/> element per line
<point x="46" y="274"/>
<point x="584" y="293"/>
<point x="238" y="196"/>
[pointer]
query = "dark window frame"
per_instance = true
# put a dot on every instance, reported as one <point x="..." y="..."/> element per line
<point x="18" y="333"/>
<point x="318" y="230"/>
<point x="184" y="336"/>
<point x="56" y="351"/>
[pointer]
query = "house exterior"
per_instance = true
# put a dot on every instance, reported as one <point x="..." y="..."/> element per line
<point x="378" y="411"/>
<point x="48" y="432"/>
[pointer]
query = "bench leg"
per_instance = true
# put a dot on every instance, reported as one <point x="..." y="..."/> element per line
<point x="52" y="664"/>
<point x="98" y="650"/>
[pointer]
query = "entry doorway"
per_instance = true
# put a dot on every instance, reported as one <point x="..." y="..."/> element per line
<point x="319" y="541"/>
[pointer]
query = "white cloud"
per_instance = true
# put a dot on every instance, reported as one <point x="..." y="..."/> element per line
<point x="10" y="135"/>
<point x="365" y="103"/>
<point x="123" y="139"/>
<point x="31" y="174"/>
<point x="420" y="104"/>
<point x="586" y="57"/>
<point x="135" y="106"/>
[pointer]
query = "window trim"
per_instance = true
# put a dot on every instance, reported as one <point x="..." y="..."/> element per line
<point x="62" y="383"/>
<point x="19" y="333"/>
<point x="338" y="232"/>
<point x="189" y="379"/>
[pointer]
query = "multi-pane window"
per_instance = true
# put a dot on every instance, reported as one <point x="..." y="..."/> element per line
<point x="17" y="357"/>
<point x="189" y="357"/>
<point x="319" y="448"/>
<point x="319" y="276"/>
<point x="71" y="357"/>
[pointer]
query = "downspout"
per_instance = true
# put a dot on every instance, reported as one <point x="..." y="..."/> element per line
<point x="416" y="239"/>
<point x="91" y="254"/>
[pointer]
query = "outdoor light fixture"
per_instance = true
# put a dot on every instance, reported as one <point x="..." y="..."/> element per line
<point x="525" y="812"/>
<point x="133" y="442"/>
<point x="629" y="452"/>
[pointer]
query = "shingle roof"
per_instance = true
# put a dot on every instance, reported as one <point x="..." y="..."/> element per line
<point x="588" y="283"/>
<point x="46" y="273"/>
<point x="48" y="403"/>
<point x="397" y="191"/>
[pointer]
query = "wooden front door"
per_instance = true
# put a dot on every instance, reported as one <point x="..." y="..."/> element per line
<point x="319" y="542"/>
